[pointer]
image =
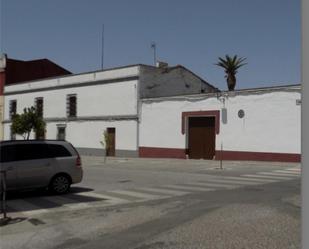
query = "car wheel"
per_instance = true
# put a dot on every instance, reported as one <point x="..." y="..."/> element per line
<point x="60" y="184"/>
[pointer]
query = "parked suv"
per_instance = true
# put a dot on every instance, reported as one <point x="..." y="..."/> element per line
<point x="40" y="163"/>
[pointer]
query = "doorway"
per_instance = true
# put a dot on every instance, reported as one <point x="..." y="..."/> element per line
<point x="111" y="138"/>
<point x="201" y="137"/>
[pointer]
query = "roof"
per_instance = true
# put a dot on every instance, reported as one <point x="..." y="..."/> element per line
<point x="18" y="71"/>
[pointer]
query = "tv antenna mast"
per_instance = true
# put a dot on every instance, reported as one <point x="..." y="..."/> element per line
<point x="154" y="47"/>
<point x="102" y="49"/>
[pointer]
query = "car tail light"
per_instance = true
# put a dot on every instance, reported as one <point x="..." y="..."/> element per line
<point x="78" y="162"/>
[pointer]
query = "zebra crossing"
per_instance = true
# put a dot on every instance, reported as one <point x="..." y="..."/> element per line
<point x="83" y="200"/>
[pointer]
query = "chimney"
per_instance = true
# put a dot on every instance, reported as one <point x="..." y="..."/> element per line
<point x="161" y="64"/>
<point x="2" y="62"/>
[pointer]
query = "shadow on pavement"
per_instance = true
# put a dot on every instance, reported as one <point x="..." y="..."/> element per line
<point x="41" y="199"/>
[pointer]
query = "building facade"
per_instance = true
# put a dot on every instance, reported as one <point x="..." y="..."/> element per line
<point x="253" y="124"/>
<point x="80" y="108"/>
<point x="162" y="111"/>
<point x="15" y="71"/>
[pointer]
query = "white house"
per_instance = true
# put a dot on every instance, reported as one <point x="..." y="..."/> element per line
<point x="251" y="124"/>
<point x="79" y="108"/>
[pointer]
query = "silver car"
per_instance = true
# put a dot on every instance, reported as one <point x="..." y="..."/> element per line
<point x="48" y="164"/>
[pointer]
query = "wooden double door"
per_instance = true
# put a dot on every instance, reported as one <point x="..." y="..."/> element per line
<point x="201" y="137"/>
<point x="111" y="147"/>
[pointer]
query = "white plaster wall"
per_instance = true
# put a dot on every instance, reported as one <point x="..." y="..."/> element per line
<point x="88" y="134"/>
<point x="271" y="122"/>
<point x="97" y="100"/>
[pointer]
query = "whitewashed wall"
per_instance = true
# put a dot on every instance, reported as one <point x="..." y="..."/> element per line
<point x="117" y="98"/>
<point x="88" y="134"/>
<point x="271" y="122"/>
<point x="106" y="99"/>
<point x="94" y="104"/>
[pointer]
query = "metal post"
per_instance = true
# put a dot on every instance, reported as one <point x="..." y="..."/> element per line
<point x="154" y="47"/>
<point x="221" y="156"/>
<point x="3" y="187"/>
<point x="102" y="52"/>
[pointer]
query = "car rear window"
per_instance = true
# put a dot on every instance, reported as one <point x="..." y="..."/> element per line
<point x="57" y="150"/>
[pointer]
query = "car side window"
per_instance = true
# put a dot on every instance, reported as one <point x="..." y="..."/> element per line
<point x="7" y="153"/>
<point x="57" y="150"/>
<point x="31" y="151"/>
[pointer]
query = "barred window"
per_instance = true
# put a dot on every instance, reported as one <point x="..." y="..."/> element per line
<point x="12" y="134"/>
<point x="39" y="106"/>
<point x="71" y="105"/>
<point x="13" y="107"/>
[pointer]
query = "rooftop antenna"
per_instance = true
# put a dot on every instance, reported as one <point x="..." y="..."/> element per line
<point x="102" y="49"/>
<point x="154" y="47"/>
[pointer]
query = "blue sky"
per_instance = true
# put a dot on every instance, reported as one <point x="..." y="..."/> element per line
<point x="191" y="33"/>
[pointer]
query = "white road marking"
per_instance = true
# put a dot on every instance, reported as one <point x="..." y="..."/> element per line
<point x="269" y="177"/>
<point x="248" y="179"/>
<point x="288" y="172"/>
<point x="166" y="191"/>
<point x="216" y="185"/>
<point x="135" y="194"/>
<point x="189" y="188"/>
<point x="294" y="169"/>
<point x="278" y="174"/>
<point x="233" y="181"/>
<point x="26" y="207"/>
<point x="106" y="197"/>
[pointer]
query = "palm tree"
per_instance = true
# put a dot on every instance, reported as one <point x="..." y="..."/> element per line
<point x="231" y="65"/>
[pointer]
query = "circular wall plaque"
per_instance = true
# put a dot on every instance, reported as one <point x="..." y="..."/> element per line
<point x="241" y="113"/>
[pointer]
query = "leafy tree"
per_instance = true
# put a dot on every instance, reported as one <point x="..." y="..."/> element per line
<point x="231" y="65"/>
<point x="105" y="143"/>
<point x="23" y="124"/>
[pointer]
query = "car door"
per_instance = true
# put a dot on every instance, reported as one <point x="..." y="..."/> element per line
<point x="33" y="166"/>
<point x="7" y="166"/>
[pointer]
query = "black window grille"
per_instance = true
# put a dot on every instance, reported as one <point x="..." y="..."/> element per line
<point x="39" y="106"/>
<point x="71" y="106"/>
<point x="13" y="107"/>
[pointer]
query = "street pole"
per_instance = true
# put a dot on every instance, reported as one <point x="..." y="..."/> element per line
<point x="3" y="192"/>
<point x="221" y="156"/>
<point x="154" y="47"/>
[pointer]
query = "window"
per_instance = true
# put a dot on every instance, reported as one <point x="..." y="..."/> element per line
<point x="12" y="135"/>
<point x="18" y="152"/>
<point x="56" y="150"/>
<point x="71" y="105"/>
<point x="61" y="133"/>
<point x="40" y="135"/>
<point x="39" y="106"/>
<point x="13" y="106"/>
<point x="7" y="153"/>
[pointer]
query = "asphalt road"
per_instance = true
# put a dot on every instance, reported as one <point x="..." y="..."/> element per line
<point x="150" y="204"/>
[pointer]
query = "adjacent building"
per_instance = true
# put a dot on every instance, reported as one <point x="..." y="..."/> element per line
<point x="261" y="124"/>
<point x="15" y="71"/>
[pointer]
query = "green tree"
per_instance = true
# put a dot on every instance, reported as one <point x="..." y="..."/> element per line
<point x="231" y="64"/>
<point x="105" y="143"/>
<point x="23" y="124"/>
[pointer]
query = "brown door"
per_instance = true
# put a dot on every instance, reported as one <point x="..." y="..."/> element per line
<point x="202" y="137"/>
<point x="111" y="133"/>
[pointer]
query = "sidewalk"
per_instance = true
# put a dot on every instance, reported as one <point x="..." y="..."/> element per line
<point x="169" y="162"/>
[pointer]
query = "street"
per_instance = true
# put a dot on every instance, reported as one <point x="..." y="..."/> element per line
<point x="162" y="203"/>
